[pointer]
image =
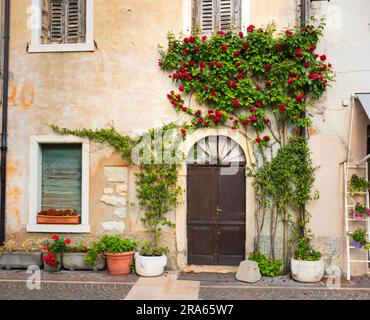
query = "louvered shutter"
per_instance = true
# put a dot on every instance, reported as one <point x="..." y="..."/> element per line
<point x="63" y="21"/>
<point x="214" y="15"/>
<point x="56" y="21"/>
<point x="61" y="176"/>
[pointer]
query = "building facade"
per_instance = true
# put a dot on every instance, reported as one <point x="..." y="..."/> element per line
<point x="93" y="63"/>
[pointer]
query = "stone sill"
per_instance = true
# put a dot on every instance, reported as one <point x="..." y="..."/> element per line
<point x="53" y="228"/>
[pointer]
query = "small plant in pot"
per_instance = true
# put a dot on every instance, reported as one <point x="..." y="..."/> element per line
<point x="117" y="251"/>
<point x="360" y="211"/>
<point x="358" y="184"/>
<point x="54" y="216"/>
<point x="52" y="253"/>
<point x="359" y="238"/>
<point x="151" y="260"/>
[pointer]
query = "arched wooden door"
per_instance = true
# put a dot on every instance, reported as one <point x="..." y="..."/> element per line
<point x="216" y="208"/>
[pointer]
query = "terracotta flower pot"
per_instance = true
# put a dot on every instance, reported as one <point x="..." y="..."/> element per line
<point x="58" y="220"/>
<point x="119" y="263"/>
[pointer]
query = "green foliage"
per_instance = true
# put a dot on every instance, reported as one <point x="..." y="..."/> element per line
<point x="358" y="184"/>
<point x="268" y="267"/>
<point x="58" y="246"/>
<point x="80" y="248"/>
<point x="242" y="76"/>
<point x="109" y="244"/>
<point x="305" y="252"/>
<point x="287" y="180"/>
<point x="148" y="249"/>
<point x="157" y="189"/>
<point x="359" y="235"/>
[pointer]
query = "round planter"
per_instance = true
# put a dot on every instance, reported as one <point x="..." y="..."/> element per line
<point x="76" y="261"/>
<point x="357" y="245"/>
<point x="119" y="263"/>
<point x="57" y="267"/>
<point x="150" y="266"/>
<point x="307" y="271"/>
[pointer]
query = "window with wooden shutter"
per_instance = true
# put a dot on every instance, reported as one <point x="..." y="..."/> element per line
<point x="61" y="176"/>
<point x="63" y="21"/>
<point x="214" y="15"/>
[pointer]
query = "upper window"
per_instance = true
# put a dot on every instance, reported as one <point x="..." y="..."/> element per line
<point x="63" y="25"/>
<point x="216" y="15"/>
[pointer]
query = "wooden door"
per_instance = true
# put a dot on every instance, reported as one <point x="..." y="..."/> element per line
<point x="216" y="214"/>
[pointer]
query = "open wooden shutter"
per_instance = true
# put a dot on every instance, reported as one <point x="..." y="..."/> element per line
<point x="56" y="21"/>
<point x="75" y="21"/>
<point x="61" y="176"/>
<point x="214" y="15"/>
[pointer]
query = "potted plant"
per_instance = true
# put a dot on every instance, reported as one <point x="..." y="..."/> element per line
<point x="359" y="238"/>
<point x="307" y="264"/>
<point x="74" y="259"/>
<point x="15" y="256"/>
<point x="54" y="216"/>
<point x="151" y="260"/>
<point x="118" y="253"/>
<point x="358" y="184"/>
<point x="360" y="211"/>
<point x="52" y="253"/>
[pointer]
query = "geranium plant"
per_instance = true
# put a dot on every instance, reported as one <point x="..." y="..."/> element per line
<point x="52" y="250"/>
<point x="360" y="211"/>
<point x="58" y="213"/>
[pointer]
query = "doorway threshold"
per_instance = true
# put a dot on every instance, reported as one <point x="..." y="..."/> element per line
<point x="210" y="269"/>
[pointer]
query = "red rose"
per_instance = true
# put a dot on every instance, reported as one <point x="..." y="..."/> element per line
<point x="246" y="46"/>
<point x="184" y="109"/>
<point x="240" y="75"/>
<point x="221" y="33"/>
<point x="236" y="103"/>
<point x="279" y="48"/>
<point x="259" y="104"/>
<point x="202" y="64"/>
<point x="241" y="34"/>
<point x="290" y="81"/>
<point x="251" y="28"/>
<point x="218" y="113"/>
<point x="186" y="40"/>
<point x="299" y="97"/>
<point x="192" y="39"/>
<point x="258" y="140"/>
<point x="306" y="64"/>
<point x="192" y="63"/>
<point x="213" y="93"/>
<point x="282" y="107"/>
<point x="311" y="48"/>
<point x="266" y="121"/>
<point x="245" y="122"/>
<point x="204" y="38"/>
<point x="288" y="32"/>
<point x="266" y="138"/>
<point x="186" y="51"/>
<point x="329" y="65"/>
<point x="299" y="52"/>
<point x="68" y="241"/>
<point x="258" y="87"/>
<point x="55" y="237"/>
<point x="200" y="120"/>
<point x="206" y="88"/>
<point x="181" y="88"/>
<point x="268" y="67"/>
<point x="219" y="64"/>
<point x="236" y="53"/>
<point x="253" y="118"/>
<point x="183" y="131"/>
<point x="174" y="103"/>
<point x="323" y="57"/>
<point x="252" y="109"/>
<point x="196" y="48"/>
<point x="224" y="47"/>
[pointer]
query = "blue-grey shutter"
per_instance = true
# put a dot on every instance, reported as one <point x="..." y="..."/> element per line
<point x="61" y="176"/>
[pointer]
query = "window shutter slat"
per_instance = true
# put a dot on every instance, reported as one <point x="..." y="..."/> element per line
<point x="72" y="21"/>
<point x="226" y="14"/>
<point x="56" y="21"/>
<point x="61" y="176"/>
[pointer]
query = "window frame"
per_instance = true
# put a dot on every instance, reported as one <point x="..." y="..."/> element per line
<point x="188" y="15"/>
<point x="35" y="183"/>
<point x="37" y="47"/>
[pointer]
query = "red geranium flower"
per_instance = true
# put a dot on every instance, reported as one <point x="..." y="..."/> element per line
<point x="290" y="81"/>
<point x="299" y="97"/>
<point x="206" y="88"/>
<point x="266" y="121"/>
<point x="224" y="47"/>
<point x="259" y="104"/>
<point x="68" y="241"/>
<point x="245" y="122"/>
<point x="221" y="33"/>
<point x="55" y="237"/>
<point x="253" y="118"/>
<point x="183" y="131"/>
<point x="241" y="34"/>
<point x="196" y="48"/>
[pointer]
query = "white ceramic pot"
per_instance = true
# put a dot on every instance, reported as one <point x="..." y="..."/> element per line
<point x="307" y="271"/>
<point x="150" y="266"/>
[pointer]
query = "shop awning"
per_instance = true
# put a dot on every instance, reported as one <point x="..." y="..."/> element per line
<point x="364" y="99"/>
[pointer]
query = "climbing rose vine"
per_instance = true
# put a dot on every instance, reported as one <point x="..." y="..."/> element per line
<point x="242" y="77"/>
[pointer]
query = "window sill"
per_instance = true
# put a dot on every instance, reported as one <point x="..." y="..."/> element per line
<point x="67" y="47"/>
<point x="53" y="228"/>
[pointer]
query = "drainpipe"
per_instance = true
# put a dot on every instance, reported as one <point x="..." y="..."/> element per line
<point x="4" y="128"/>
<point x="304" y="10"/>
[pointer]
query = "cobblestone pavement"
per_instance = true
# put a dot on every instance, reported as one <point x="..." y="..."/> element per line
<point x="67" y="285"/>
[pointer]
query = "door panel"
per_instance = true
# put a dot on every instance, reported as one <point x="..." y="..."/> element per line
<point x="216" y="215"/>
